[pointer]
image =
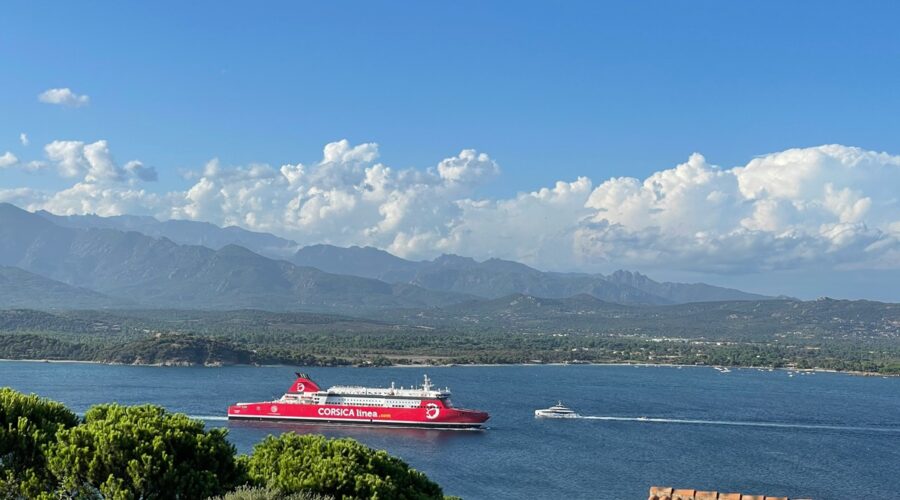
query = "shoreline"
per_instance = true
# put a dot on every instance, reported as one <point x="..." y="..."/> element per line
<point x="473" y="365"/>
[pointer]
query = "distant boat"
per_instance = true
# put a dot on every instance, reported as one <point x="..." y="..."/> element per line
<point x="558" y="410"/>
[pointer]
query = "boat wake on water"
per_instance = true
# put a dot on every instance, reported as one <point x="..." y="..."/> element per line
<point x="683" y="421"/>
<point x="739" y="423"/>
<point x="209" y="417"/>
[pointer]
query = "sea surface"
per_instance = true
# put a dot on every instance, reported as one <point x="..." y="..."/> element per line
<point x="822" y="436"/>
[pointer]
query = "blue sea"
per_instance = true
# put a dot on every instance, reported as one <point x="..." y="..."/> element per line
<point x="822" y="436"/>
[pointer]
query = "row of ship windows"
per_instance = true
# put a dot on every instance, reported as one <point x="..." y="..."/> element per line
<point x="391" y="404"/>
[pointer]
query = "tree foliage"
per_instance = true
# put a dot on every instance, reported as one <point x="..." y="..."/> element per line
<point x="831" y="334"/>
<point x="143" y="452"/>
<point x="28" y="424"/>
<point x="343" y="468"/>
<point x="256" y="493"/>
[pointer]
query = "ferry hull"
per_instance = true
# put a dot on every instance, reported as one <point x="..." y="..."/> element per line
<point x="443" y="418"/>
<point x="354" y="405"/>
<point x="420" y="425"/>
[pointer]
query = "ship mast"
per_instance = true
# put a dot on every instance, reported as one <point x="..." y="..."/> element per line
<point x="427" y="385"/>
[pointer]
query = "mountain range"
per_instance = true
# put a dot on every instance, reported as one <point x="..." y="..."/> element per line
<point x="156" y="272"/>
<point x="496" y="278"/>
<point x="183" y="232"/>
<point x="140" y="261"/>
<point x="22" y="289"/>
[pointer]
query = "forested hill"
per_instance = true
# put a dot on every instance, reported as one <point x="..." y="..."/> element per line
<point x="20" y="288"/>
<point x="735" y="320"/>
<point x="738" y="320"/>
<point x="845" y="335"/>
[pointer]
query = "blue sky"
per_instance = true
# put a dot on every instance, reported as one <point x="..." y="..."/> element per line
<point x="550" y="91"/>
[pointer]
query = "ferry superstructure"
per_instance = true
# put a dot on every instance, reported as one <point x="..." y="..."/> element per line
<point x="423" y="406"/>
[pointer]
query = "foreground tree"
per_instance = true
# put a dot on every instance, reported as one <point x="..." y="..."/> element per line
<point x="342" y="468"/>
<point x="28" y="425"/>
<point x="251" y="493"/>
<point x="143" y="452"/>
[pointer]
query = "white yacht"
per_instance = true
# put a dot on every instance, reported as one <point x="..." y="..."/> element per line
<point x="558" y="410"/>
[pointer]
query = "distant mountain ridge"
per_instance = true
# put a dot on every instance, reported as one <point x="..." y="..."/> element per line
<point x="160" y="273"/>
<point x="22" y="289"/>
<point x="492" y="278"/>
<point x="682" y="293"/>
<point x="367" y="262"/>
<point x="183" y="232"/>
<point x="495" y="278"/>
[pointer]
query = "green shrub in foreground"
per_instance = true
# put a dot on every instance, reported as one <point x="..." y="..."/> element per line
<point x="343" y="468"/>
<point x="143" y="452"/>
<point x="28" y="424"/>
<point x="251" y="493"/>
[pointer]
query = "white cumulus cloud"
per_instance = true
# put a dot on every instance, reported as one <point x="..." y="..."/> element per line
<point x="101" y="185"/>
<point x="23" y="138"/>
<point x="76" y="159"/>
<point x="468" y="167"/>
<point x="829" y="205"/>
<point x="93" y="162"/>
<point x="63" y="97"/>
<point x="823" y="207"/>
<point x="141" y="171"/>
<point x="345" y="198"/>
<point x="8" y="159"/>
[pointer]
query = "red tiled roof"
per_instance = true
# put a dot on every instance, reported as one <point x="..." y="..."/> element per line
<point x="668" y="493"/>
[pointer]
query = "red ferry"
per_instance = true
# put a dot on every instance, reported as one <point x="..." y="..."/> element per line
<point x="422" y="406"/>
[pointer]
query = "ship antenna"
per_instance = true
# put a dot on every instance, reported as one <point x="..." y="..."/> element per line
<point x="427" y="384"/>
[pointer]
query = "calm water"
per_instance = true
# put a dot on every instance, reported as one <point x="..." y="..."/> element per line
<point x="824" y="436"/>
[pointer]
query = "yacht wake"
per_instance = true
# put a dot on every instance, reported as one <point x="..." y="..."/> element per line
<point x="739" y="423"/>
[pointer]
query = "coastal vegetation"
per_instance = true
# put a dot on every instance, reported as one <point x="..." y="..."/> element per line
<point x="825" y="334"/>
<point x="28" y="427"/>
<point x="257" y="493"/>
<point x="293" y="463"/>
<point x="145" y="452"/>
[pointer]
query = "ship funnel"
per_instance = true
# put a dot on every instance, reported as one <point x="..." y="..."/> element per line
<point x="303" y="384"/>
